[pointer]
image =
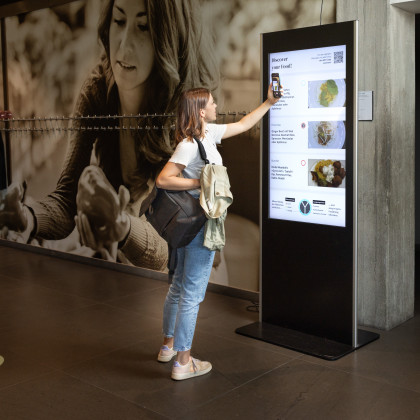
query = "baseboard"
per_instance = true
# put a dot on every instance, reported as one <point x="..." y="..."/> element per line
<point x="142" y="272"/>
<point x="234" y="292"/>
<point x="124" y="268"/>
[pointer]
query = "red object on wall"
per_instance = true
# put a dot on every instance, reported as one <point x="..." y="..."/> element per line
<point x="5" y="115"/>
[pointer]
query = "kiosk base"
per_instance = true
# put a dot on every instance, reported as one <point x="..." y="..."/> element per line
<point x="304" y="343"/>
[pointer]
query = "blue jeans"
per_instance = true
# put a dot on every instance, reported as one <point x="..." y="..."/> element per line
<point x="187" y="291"/>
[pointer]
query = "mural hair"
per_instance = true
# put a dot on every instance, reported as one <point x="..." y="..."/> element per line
<point x="183" y="58"/>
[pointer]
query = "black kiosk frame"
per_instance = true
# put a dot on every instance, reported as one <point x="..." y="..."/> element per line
<point x="308" y="267"/>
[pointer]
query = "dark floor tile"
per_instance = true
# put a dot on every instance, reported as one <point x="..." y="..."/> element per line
<point x="263" y="345"/>
<point x="393" y="359"/>
<point x="216" y="304"/>
<point x="8" y="282"/>
<point x="58" y="396"/>
<point x="12" y="257"/>
<point x="17" y="368"/>
<point x="222" y="315"/>
<point x="102" y="319"/>
<point x="103" y="328"/>
<point x="300" y="390"/>
<point x="239" y="363"/>
<point x="149" y="301"/>
<point x="134" y="374"/>
<point x="29" y="302"/>
<point x="75" y="336"/>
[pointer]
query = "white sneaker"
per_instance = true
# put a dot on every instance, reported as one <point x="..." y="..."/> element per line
<point x="192" y="369"/>
<point x="166" y="354"/>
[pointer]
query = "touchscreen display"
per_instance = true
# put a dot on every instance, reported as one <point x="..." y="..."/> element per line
<point x="307" y="135"/>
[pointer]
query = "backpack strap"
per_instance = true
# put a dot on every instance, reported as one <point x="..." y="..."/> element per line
<point x="172" y="261"/>
<point x="145" y="205"/>
<point x="203" y="153"/>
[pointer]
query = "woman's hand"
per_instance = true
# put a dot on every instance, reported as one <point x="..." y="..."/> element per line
<point x="270" y="97"/>
<point x="16" y="220"/>
<point x="101" y="218"/>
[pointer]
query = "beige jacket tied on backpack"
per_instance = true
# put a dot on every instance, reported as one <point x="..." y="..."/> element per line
<point x="215" y="198"/>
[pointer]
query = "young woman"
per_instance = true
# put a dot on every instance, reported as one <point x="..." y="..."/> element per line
<point x="196" y="112"/>
<point x="152" y="51"/>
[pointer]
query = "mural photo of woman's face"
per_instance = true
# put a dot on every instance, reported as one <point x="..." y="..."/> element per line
<point x="130" y="44"/>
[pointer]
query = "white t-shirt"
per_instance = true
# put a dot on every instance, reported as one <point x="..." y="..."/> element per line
<point x="188" y="154"/>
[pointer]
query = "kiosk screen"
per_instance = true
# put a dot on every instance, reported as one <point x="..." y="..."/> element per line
<point x="307" y="137"/>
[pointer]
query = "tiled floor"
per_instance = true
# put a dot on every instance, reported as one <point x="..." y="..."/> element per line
<point x="80" y="342"/>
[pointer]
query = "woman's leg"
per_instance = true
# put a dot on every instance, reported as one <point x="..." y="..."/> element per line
<point x="197" y="265"/>
<point x="170" y="307"/>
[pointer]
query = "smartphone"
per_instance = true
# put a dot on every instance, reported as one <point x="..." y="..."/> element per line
<point x="275" y="80"/>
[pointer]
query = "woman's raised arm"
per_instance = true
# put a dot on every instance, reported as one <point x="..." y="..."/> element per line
<point x="248" y="121"/>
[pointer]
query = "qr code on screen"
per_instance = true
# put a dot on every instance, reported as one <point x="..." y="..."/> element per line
<point x="338" y="57"/>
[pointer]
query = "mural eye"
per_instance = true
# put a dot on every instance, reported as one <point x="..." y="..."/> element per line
<point x="119" y="22"/>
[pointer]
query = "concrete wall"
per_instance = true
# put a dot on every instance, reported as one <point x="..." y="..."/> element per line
<point x="386" y="162"/>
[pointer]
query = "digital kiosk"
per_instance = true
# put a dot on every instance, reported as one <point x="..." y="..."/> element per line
<point x="308" y="219"/>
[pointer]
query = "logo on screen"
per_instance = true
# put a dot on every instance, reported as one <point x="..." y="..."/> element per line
<point x="305" y="207"/>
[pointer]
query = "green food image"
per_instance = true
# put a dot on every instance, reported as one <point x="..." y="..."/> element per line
<point x="329" y="91"/>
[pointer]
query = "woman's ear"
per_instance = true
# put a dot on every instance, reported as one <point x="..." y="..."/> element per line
<point x="202" y="113"/>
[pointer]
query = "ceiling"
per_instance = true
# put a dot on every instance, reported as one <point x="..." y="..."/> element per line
<point x="412" y="6"/>
<point x="16" y="7"/>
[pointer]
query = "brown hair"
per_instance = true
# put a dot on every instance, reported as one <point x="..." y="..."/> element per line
<point x="188" y="122"/>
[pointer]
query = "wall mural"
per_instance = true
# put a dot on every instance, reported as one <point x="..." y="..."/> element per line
<point x="93" y="86"/>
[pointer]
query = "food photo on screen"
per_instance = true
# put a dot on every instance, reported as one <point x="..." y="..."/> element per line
<point x="327" y="173"/>
<point x="326" y="134"/>
<point x="329" y="93"/>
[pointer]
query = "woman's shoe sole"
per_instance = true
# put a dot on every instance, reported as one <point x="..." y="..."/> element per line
<point x="165" y="359"/>
<point x="188" y="375"/>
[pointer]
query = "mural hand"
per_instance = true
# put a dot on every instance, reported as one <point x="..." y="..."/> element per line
<point x="101" y="217"/>
<point x="3" y="232"/>
<point x="87" y="237"/>
<point x="123" y="221"/>
<point x="109" y="254"/>
<point x="12" y="211"/>
<point x="11" y="235"/>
